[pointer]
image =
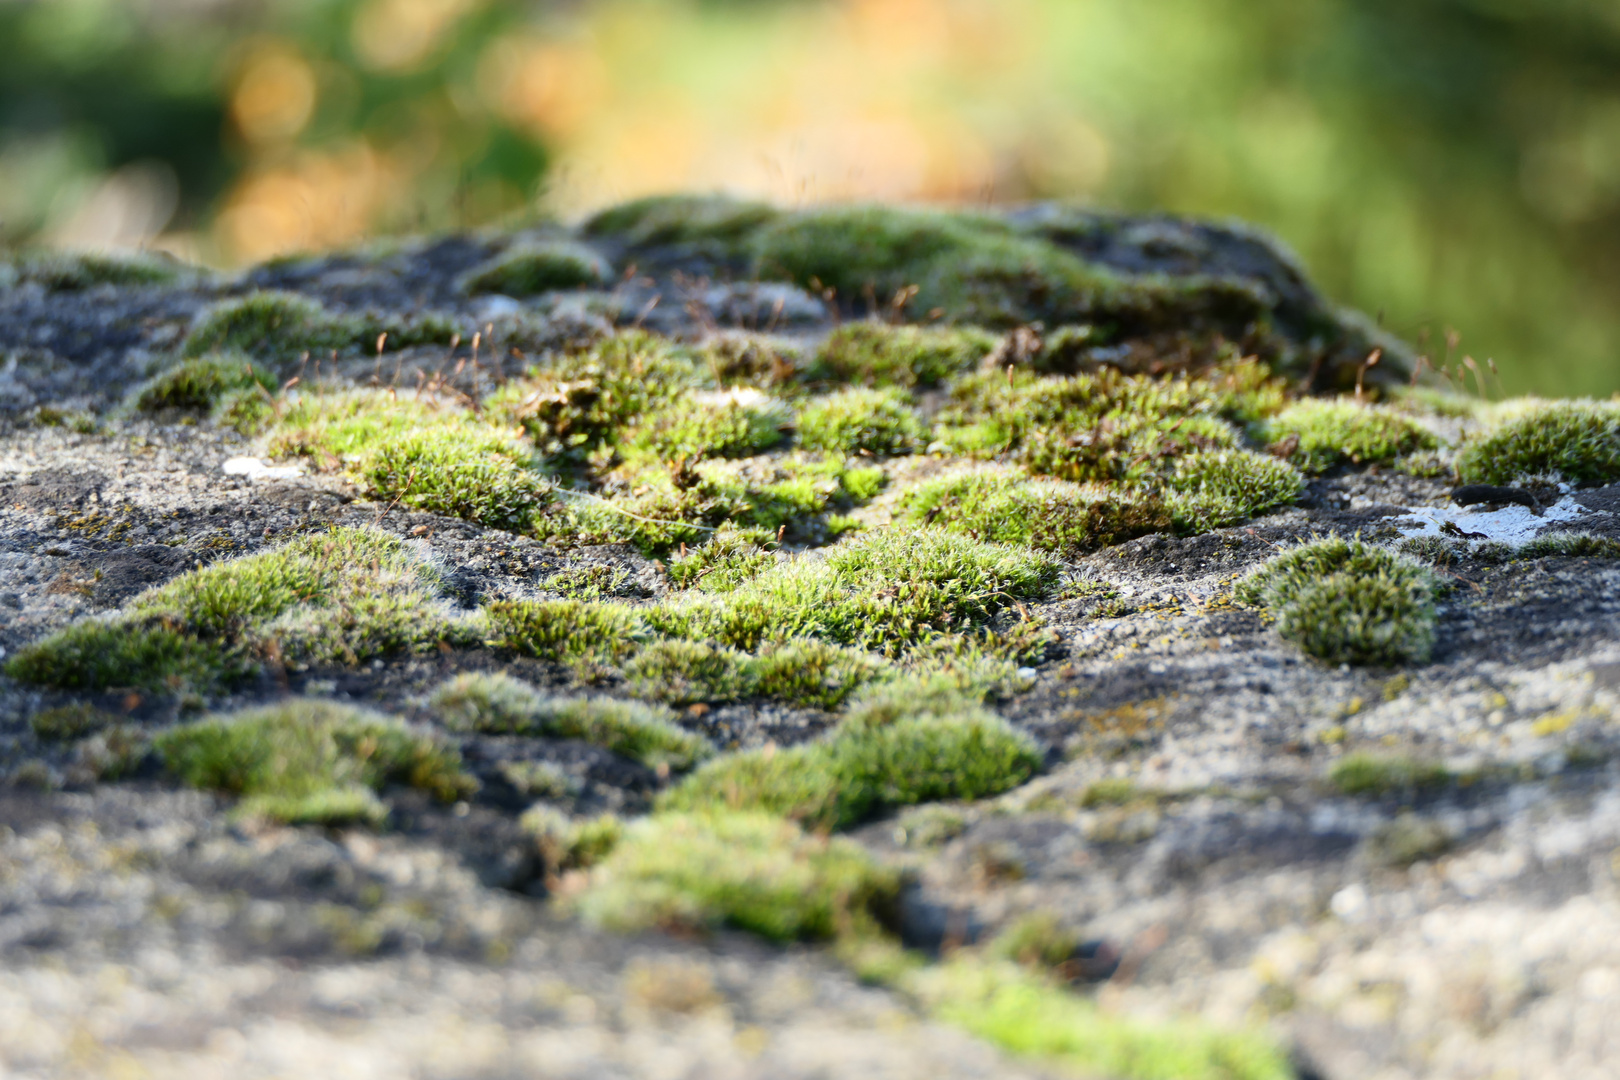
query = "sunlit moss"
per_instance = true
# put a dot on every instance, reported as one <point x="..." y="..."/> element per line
<point x="1577" y="441"/>
<point x="436" y="471"/>
<point x="880" y="422"/>
<point x="685" y="672"/>
<point x="878" y="354"/>
<point x="280" y="327"/>
<point x="201" y="384"/>
<point x="1214" y="489"/>
<point x="538" y="266"/>
<point x="63" y="271"/>
<point x="1069" y="519"/>
<point x="725" y="424"/>
<point x="1325" y="433"/>
<point x="729" y="558"/>
<point x="1377" y="775"/>
<point x="96" y="654"/>
<point x="563" y="630"/>
<point x="680" y="219"/>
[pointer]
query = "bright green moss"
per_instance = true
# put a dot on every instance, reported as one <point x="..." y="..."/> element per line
<point x="749" y="871"/>
<point x="1347" y="601"/>
<point x="309" y="761"/>
<point x="1576" y="441"/>
<point x="727" y="424"/>
<point x="100" y="655"/>
<point x="436" y="471"/>
<point x="680" y="219"/>
<point x="1326" y="433"/>
<point x="811" y="673"/>
<point x="200" y="385"/>
<point x="538" y="266"/>
<point x="877" y="354"/>
<point x="568" y="844"/>
<point x="1069" y="519"/>
<point x="728" y="559"/>
<point x="1374" y="775"/>
<point x="587" y="582"/>
<point x="496" y="703"/>
<point x="1214" y="489"/>
<point x="563" y="630"/>
<point x="1571" y="545"/>
<point x="686" y="672"/>
<point x="867" y="765"/>
<point x="280" y="327"/>
<point x="880" y="422"/>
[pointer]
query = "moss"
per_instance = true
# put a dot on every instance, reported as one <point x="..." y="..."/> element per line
<point x="1116" y="791"/>
<point x="538" y="266"/>
<point x="878" y="354"/>
<point x="1325" y="433"/>
<point x="500" y="704"/>
<point x="308" y="761"/>
<point x="101" y="655"/>
<point x="1214" y="489"/>
<point x="60" y="271"/>
<point x="742" y="358"/>
<point x="1377" y="775"/>
<point x="870" y="762"/>
<point x="749" y="871"/>
<point x="200" y="385"/>
<point x="726" y="424"/>
<point x="1406" y="840"/>
<point x="587" y="582"/>
<point x="680" y="219"/>
<point x="563" y="630"/>
<point x="879" y="422"/>
<point x="1035" y="940"/>
<point x="1577" y="441"/>
<point x="1570" y="545"/>
<point x="1069" y="519"/>
<point x="1026" y="1014"/>
<point x="811" y="673"/>
<point x="437" y="471"/>
<point x="65" y="723"/>
<point x="280" y="327"/>
<point x="730" y="558"/>
<point x="567" y="844"/>
<point x="1347" y="601"/>
<point x="687" y="672"/>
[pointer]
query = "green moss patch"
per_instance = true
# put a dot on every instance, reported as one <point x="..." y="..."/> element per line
<point x="1070" y="519"/>
<point x="1570" y="545"/>
<point x="875" y="759"/>
<point x="437" y="471"/>
<point x="878" y="354"/>
<point x="724" y="424"/>
<point x="280" y="327"/>
<point x="686" y="672"/>
<point x="205" y="384"/>
<point x="1347" y="601"/>
<point x="98" y="655"/>
<point x="61" y="271"/>
<point x="1211" y="489"/>
<point x="749" y="871"/>
<point x="1317" y="434"/>
<point x="500" y="704"/>
<point x="1375" y="775"/>
<point x="1576" y="441"/>
<point x="310" y="762"/>
<point x="879" y="422"/>
<point x="568" y="631"/>
<point x="538" y="266"/>
<point x="680" y="219"/>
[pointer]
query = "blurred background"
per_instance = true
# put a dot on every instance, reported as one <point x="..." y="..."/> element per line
<point x="1451" y="164"/>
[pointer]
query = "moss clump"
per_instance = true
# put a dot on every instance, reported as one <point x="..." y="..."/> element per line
<point x="568" y="844"/>
<point x="1035" y="940"/>
<point x="749" y="871"/>
<point x="877" y="354"/>
<point x="436" y="471"/>
<point x="538" y="266"/>
<point x="60" y="271"/>
<point x="729" y="559"/>
<point x="306" y="761"/>
<point x="1070" y="519"/>
<point x="499" y="704"/>
<point x="725" y="424"/>
<point x="680" y="219"/>
<point x="280" y="327"/>
<point x="686" y="672"/>
<point x="872" y="761"/>
<point x="1375" y="775"/>
<point x="886" y="592"/>
<point x="98" y="655"/>
<point x="1325" y="433"/>
<point x="65" y="723"/>
<point x="1570" y="545"/>
<point x="587" y="582"/>
<point x="1577" y="441"/>
<point x="201" y="385"/>
<point x="1347" y="601"/>
<point x="811" y="673"/>
<point x="741" y="358"/>
<point x="563" y="630"/>
<point x="879" y="422"/>
<point x="1214" y="489"/>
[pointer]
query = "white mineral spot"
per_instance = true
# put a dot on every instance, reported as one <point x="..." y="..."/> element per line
<point x="1510" y="525"/>
<point x="1026" y="673"/>
<point x="254" y="469"/>
<point x="1350" y="903"/>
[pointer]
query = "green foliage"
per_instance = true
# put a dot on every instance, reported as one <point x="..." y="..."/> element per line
<point x="563" y="630"/>
<point x="567" y="844"/>
<point x="1336" y="432"/>
<point x="280" y="327"/>
<point x="538" y="266"/>
<point x="729" y="559"/>
<point x="62" y="271"/>
<point x="1035" y="940"/>
<point x="587" y="582"/>
<point x="496" y="703"/>
<point x="1375" y="775"/>
<point x="685" y="672"/>
<point x="1069" y="519"/>
<point x="1347" y="601"/>
<point x="880" y="422"/>
<point x="680" y="219"/>
<point x="1577" y="441"/>
<point x="436" y="471"/>
<point x="727" y="424"/>
<point x="876" y="759"/>
<point x="877" y="354"/>
<point x="65" y="723"/>
<point x="200" y="384"/>
<point x="1216" y="488"/>
<point x="1570" y="545"/>
<point x="100" y="655"/>
<point x="812" y="673"/>
<point x="749" y="871"/>
<point x="310" y="761"/>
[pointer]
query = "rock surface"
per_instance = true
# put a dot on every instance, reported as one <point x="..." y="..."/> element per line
<point x="1464" y="928"/>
